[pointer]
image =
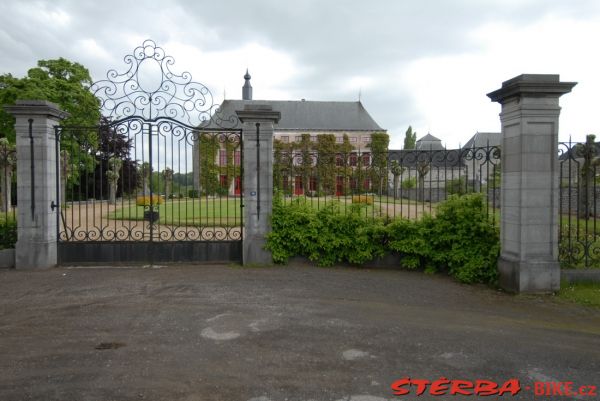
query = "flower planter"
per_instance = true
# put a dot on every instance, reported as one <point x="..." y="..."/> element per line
<point x="151" y="215"/>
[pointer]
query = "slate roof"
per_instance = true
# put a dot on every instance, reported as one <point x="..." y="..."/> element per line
<point x="312" y="115"/>
<point x="482" y="139"/>
<point x="429" y="142"/>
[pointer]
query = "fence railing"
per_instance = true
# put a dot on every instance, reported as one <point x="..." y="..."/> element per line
<point x="392" y="184"/>
<point x="8" y="195"/>
<point x="579" y="208"/>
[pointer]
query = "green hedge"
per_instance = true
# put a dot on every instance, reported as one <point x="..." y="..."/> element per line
<point x="8" y="233"/>
<point x="459" y="240"/>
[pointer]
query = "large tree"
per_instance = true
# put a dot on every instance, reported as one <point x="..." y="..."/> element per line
<point x="410" y="139"/>
<point x="60" y="81"/>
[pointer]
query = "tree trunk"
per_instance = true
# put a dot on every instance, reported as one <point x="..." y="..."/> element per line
<point x="112" y="193"/>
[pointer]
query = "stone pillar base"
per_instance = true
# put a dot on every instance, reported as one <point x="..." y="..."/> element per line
<point x="254" y="251"/>
<point x="35" y="255"/>
<point x="529" y="277"/>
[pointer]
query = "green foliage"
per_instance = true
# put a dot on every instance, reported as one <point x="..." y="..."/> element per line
<point x="410" y="139"/>
<point x="379" y="155"/>
<point x="458" y="186"/>
<point x="8" y="231"/>
<point x="409" y="183"/>
<point x="325" y="236"/>
<point x="460" y="239"/>
<point x="464" y="240"/>
<point x="209" y="171"/>
<point x="326" y="149"/>
<point x="60" y="81"/>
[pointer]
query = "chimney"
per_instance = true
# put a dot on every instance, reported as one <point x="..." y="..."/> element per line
<point x="247" y="88"/>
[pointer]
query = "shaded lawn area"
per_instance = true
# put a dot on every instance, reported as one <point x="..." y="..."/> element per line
<point x="222" y="212"/>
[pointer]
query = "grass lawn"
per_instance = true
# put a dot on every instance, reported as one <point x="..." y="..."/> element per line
<point x="220" y="212"/>
<point x="581" y="293"/>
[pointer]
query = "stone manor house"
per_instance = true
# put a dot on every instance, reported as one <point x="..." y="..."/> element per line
<point x="300" y="117"/>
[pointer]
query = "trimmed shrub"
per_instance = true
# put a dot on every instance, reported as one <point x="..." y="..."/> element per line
<point x="325" y="236"/>
<point x="146" y="201"/>
<point x="366" y="199"/>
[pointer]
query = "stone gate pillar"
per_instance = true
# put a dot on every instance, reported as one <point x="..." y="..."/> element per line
<point x="529" y="188"/>
<point x="36" y="182"/>
<point x="257" y="135"/>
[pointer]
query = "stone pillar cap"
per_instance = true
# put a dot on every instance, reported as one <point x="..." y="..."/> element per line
<point x="36" y="107"/>
<point x="533" y="85"/>
<point x="258" y="112"/>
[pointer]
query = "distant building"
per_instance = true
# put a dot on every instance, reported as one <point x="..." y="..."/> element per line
<point x="314" y="118"/>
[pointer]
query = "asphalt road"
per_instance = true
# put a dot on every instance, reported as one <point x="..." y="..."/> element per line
<point x="188" y="333"/>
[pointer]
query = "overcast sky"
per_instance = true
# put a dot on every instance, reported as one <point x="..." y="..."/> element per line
<point x="425" y="63"/>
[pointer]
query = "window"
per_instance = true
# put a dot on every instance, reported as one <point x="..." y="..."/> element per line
<point x="298" y="138"/>
<point x="366" y="159"/>
<point x="222" y="157"/>
<point x="312" y="185"/>
<point x="339" y="139"/>
<point x="366" y="139"/>
<point x="313" y="138"/>
<point x="237" y="158"/>
<point x="285" y="139"/>
<point x="352" y="139"/>
<point x="353" y="159"/>
<point x="367" y="184"/>
<point x="339" y="161"/>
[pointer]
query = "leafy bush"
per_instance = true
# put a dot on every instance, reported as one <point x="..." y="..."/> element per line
<point x="8" y="233"/>
<point x="458" y="186"/>
<point x="459" y="240"/>
<point x="325" y="236"/>
<point x="193" y="193"/>
<point x="409" y="183"/>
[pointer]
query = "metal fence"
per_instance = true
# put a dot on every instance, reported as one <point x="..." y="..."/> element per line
<point x="392" y="184"/>
<point x="8" y="195"/>
<point x="579" y="208"/>
<point x="136" y="181"/>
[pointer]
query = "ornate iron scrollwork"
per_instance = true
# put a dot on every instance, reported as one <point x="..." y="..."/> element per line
<point x="151" y="90"/>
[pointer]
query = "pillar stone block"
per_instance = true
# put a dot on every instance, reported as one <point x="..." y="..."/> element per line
<point x="258" y="122"/>
<point x="37" y="180"/>
<point x="529" y="210"/>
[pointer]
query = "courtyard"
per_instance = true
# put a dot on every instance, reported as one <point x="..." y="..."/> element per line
<point x="222" y="332"/>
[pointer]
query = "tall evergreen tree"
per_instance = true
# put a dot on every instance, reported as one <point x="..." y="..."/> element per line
<point x="410" y="138"/>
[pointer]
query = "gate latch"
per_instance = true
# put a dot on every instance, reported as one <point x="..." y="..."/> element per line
<point x="53" y="205"/>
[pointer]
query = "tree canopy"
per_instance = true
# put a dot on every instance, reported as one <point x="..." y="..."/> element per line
<point x="410" y="138"/>
<point x="60" y="81"/>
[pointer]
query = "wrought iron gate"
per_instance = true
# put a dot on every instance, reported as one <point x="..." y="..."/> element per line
<point x="159" y="179"/>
